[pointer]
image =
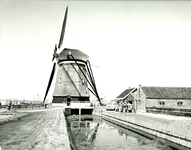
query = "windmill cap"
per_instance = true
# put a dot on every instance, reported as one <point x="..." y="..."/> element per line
<point x="75" y="53"/>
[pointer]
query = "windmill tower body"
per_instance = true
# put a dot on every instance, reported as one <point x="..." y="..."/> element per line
<point x="71" y="87"/>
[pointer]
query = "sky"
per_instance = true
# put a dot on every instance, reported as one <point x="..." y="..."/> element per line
<point x="132" y="43"/>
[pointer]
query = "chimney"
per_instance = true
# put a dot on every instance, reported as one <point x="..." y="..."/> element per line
<point x="139" y="91"/>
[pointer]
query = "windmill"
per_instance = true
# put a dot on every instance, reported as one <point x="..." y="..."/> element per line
<point x="74" y="76"/>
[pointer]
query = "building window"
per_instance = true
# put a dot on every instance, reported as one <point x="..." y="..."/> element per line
<point x="161" y="103"/>
<point x="179" y="103"/>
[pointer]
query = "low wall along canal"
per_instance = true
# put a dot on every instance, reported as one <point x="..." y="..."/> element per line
<point x="171" y="128"/>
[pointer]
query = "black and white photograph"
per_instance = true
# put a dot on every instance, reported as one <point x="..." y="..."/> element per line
<point x="95" y="75"/>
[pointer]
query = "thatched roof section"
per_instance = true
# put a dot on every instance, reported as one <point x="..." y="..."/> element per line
<point x="68" y="82"/>
<point x="126" y="93"/>
<point x="167" y="92"/>
<point x="76" y="53"/>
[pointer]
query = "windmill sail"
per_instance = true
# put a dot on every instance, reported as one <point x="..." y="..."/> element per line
<point x="50" y="81"/>
<point x="63" y="28"/>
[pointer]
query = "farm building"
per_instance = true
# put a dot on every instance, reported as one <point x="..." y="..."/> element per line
<point x="134" y="97"/>
<point x="163" y="99"/>
<point x="169" y="100"/>
<point x="127" y="97"/>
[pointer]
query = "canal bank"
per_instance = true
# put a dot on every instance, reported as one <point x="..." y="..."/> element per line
<point x="41" y="129"/>
<point x="171" y="128"/>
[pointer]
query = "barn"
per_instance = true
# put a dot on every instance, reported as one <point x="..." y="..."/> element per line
<point x="171" y="100"/>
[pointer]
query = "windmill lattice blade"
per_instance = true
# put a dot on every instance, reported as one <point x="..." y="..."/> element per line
<point x="50" y="81"/>
<point x="53" y="58"/>
<point x="63" y="28"/>
<point x="54" y="54"/>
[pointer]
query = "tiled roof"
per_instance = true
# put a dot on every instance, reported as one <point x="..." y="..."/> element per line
<point x="167" y="92"/>
<point x="126" y="92"/>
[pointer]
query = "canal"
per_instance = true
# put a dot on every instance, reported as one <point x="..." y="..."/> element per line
<point x="89" y="132"/>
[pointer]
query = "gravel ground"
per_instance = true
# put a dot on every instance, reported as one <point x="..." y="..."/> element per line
<point x="41" y="129"/>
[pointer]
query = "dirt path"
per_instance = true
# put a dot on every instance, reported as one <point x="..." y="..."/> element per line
<point x="40" y="130"/>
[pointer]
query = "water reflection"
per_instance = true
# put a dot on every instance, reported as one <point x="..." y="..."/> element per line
<point x="93" y="133"/>
<point x="83" y="131"/>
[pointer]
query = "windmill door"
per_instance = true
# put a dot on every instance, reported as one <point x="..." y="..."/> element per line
<point x="69" y="100"/>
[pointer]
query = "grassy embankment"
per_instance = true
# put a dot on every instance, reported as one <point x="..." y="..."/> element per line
<point x="10" y="115"/>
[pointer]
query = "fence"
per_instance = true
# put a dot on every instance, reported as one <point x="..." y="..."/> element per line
<point x="170" y="111"/>
<point x="26" y="106"/>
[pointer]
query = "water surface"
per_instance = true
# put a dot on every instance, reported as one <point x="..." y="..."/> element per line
<point x="94" y="133"/>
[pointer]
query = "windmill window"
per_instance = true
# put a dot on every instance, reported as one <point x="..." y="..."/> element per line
<point x="139" y="101"/>
<point x="161" y="103"/>
<point x="59" y="82"/>
<point x="60" y="67"/>
<point x="179" y="103"/>
<point x="83" y="83"/>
